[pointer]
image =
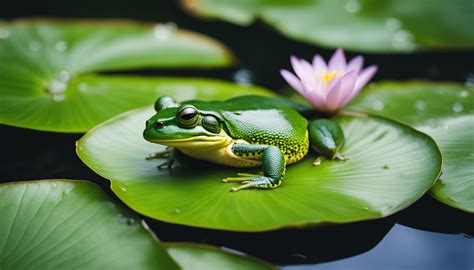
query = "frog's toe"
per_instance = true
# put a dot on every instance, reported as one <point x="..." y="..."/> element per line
<point x="258" y="181"/>
<point x="339" y="156"/>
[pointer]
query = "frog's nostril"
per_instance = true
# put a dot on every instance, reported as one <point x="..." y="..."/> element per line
<point x="159" y="124"/>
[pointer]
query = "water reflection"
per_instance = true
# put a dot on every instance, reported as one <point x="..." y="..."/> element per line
<point x="407" y="248"/>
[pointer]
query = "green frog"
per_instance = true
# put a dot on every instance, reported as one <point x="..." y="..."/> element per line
<point x="246" y="131"/>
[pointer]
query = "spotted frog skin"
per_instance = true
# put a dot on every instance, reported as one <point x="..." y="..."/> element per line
<point x="247" y="131"/>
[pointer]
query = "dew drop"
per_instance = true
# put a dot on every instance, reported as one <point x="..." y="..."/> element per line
<point x="403" y="39"/>
<point x="35" y="46"/>
<point x="55" y="185"/>
<point x="4" y="33"/>
<point x="83" y="87"/>
<point x="463" y="94"/>
<point x="378" y="105"/>
<point x="58" y="97"/>
<point x="457" y="107"/>
<point x="176" y="211"/>
<point x="420" y="105"/>
<point x="365" y="208"/>
<point x="469" y="80"/>
<point x="63" y="75"/>
<point x="61" y="46"/>
<point x="164" y="31"/>
<point x="393" y="24"/>
<point x="123" y="189"/>
<point x="243" y="77"/>
<point x="57" y="87"/>
<point x="130" y="221"/>
<point x="352" y="6"/>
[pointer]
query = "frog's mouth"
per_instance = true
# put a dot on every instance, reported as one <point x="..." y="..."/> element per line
<point x="197" y="142"/>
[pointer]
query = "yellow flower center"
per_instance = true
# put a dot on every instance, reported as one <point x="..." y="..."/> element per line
<point x="327" y="76"/>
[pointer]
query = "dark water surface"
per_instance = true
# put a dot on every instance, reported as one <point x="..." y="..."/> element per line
<point x="427" y="235"/>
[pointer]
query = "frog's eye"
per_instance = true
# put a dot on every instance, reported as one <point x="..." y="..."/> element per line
<point x="188" y="116"/>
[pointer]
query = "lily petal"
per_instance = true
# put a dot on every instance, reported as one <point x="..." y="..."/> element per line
<point x="340" y="91"/>
<point x="292" y="80"/>
<point x="364" y="77"/>
<point x="337" y="61"/>
<point x="317" y="100"/>
<point x="355" y="64"/>
<point x="309" y="79"/>
<point x="319" y="64"/>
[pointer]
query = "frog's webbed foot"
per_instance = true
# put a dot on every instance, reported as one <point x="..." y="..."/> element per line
<point x="337" y="156"/>
<point x="252" y="181"/>
<point x="168" y="164"/>
<point x="160" y="154"/>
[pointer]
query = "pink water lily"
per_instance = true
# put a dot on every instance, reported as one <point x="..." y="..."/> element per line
<point x="330" y="86"/>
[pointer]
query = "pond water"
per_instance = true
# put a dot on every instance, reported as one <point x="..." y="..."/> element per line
<point x="427" y="235"/>
<point x="407" y="248"/>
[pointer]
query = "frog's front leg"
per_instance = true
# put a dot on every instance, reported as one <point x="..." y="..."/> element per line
<point x="273" y="165"/>
<point x="327" y="138"/>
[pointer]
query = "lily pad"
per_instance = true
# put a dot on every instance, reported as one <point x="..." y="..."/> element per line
<point x="202" y="257"/>
<point x="362" y="25"/>
<point x="62" y="224"/>
<point x="444" y="111"/>
<point x="391" y="165"/>
<point x="47" y="68"/>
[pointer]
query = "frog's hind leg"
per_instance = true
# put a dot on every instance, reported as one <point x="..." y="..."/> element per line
<point x="273" y="165"/>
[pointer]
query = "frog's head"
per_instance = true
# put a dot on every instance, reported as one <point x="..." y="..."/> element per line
<point x="183" y="125"/>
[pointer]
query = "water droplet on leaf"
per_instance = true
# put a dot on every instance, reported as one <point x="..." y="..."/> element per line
<point x="176" y="211"/>
<point x="393" y="24"/>
<point x="61" y="46"/>
<point x="463" y="94"/>
<point x="4" y="33"/>
<point x="123" y="189"/>
<point x="164" y="31"/>
<point x="63" y="75"/>
<point x="243" y="77"/>
<point x="377" y="105"/>
<point x="352" y="6"/>
<point x="458" y="107"/>
<point x="403" y="39"/>
<point x="35" y="46"/>
<point x="83" y="87"/>
<point x="420" y="105"/>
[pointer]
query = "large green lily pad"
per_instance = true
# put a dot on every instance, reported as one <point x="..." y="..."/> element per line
<point x="445" y="111"/>
<point x="62" y="224"/>
<point x="391" y="165"/>
<point x="363" y="25"/>
<point x="70" y="224"/>
<point x="201" y="257"/>
<point x="47" y="67"/>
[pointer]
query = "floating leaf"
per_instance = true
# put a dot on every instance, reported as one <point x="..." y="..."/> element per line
<point x="390" y="166"/>
<point x="45" y="70"/>
<point x="444" y="111"/>
<point x="60" y="224"/>
<point x="197" y="257"/>
<point x="363" y="25"/>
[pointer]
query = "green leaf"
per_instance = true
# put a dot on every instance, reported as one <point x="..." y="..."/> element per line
<point x="445" y="112"/>
<point x="197" y="257"/>
<point x="46" y="70"/>
<point x="61" y="224"/>
<point x="362" y="25"/>
<point x="390" y="166"/>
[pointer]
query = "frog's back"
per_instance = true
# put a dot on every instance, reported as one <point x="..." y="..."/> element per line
<point x="266" y="121"/>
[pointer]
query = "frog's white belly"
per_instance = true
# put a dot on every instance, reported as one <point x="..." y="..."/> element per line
<point x="222" y="154"/>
